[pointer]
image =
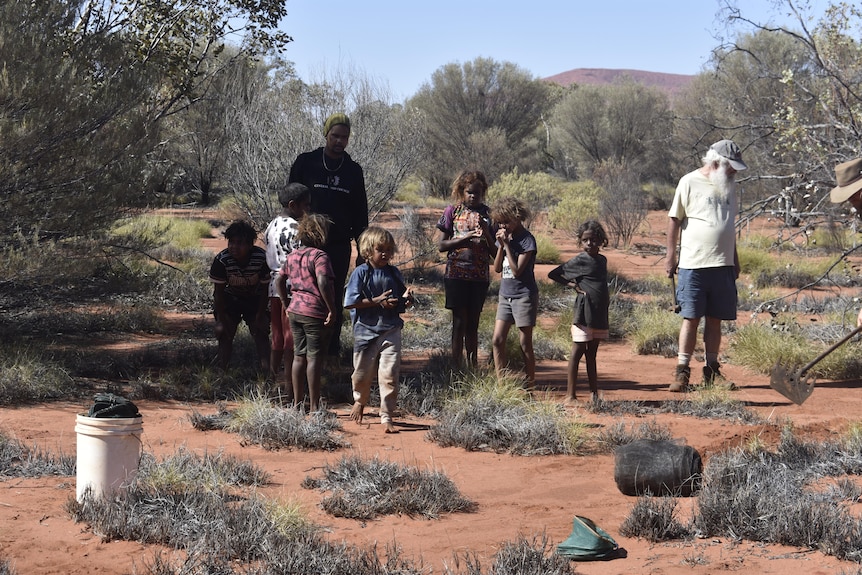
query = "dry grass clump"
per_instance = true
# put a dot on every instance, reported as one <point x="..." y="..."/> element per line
<point x="436" y="383"/>
<point x="260" y="422"/>
<point x="210" y="470"/>
<point x="491" y="414"/>
<point x="191" y="502"/>
<point x="84" y="319"/>
<point x="620" y="407"/>
<point x="654" y="331"/>
<point x="712" y="403"/>
<point x="522" y="556"/>
<point x="6" y="568"/>
<point x="197" y="380"/>
<point x="706" y="403"/>
<point x="760" y="346"/>
<point x="26" y="377"/>
<point x="654" y="519"/>
<point x="773" y="496"/>
<point x="619" y="433"/>
<point x="367" y="489"/>
<point x="16" y="460"/>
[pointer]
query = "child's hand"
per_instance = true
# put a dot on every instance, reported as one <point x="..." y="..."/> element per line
<point x="328" y="321"/>
<point x="476" y="235"/>
<point x="383" y="299"/>
<point x="408" y="297"/>
<point x="502" y="237"/>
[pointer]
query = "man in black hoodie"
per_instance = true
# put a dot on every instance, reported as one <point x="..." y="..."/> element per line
<point x="337" y="186"/>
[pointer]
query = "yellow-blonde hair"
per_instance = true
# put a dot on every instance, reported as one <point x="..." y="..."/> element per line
<point x="375" y="237"/>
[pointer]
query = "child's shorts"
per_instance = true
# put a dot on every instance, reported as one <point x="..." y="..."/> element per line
<point x="241" y="309"/>
<point x="310" y="336"/>
<point x="462" y="294"/>
<point x="521" y="311"/>
<point x="584" y="333"/>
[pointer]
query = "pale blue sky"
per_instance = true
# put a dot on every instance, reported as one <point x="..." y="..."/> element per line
<point x="402" y="42"/>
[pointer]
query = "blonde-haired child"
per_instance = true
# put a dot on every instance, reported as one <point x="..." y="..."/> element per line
<point x="376" y="296"/>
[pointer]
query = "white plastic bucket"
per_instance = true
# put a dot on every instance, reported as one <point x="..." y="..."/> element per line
<point x="109" y="450"/>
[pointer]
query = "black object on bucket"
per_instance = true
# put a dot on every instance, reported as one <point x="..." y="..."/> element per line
<point x="110" y="405"/>
<point x="658" y="467"/>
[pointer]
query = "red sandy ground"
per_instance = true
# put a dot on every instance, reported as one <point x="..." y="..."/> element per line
<point x="515" y="495"/>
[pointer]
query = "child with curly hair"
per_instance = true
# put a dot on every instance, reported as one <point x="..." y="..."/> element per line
<point x="240" y="277"/>
<point x="587" y="273"/>
<point x="518" y="302"/>
<point x="310" y="305"/>
<point x="465" y="234"/>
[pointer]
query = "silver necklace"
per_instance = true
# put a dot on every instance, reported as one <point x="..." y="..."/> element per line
<point x="327" y="168"/>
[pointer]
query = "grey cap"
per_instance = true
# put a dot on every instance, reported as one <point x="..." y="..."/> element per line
<point x="727" y="149"/>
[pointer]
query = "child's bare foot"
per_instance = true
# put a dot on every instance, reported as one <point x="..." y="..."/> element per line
<point x="356" y="412"/>
<point x="571" y="402"/>
<point x="389" y="427"/>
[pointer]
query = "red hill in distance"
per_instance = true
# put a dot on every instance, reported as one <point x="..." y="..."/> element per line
<point x="672" y="84"/>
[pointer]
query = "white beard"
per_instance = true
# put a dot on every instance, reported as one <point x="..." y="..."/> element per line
<point x="723" y="182"/>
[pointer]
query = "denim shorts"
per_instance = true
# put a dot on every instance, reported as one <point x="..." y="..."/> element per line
<point x="521" y="311"/>
<point x="709" y="292"/>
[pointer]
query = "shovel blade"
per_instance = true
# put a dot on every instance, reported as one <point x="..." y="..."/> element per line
<point x="791" y="385"/>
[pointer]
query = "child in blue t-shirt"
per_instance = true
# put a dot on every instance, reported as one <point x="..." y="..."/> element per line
<point x="376" y="296"/>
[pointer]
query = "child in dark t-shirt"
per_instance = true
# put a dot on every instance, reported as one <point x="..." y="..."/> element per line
<point x="588" y="274"/>
<point x="518" y="302"/>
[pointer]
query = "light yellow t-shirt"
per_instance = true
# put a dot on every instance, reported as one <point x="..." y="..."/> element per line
<point x="707" y="237"/>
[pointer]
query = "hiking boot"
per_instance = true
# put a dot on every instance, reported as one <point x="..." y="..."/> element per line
<point x="680" y="379"/>
<point x="712" y="378"/>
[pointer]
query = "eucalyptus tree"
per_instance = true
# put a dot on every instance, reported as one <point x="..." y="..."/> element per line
<point x="482" y="114"/>
<point x="622" y="123"/>
<point x="84" y="86"/>
<point x="790" y="95"/>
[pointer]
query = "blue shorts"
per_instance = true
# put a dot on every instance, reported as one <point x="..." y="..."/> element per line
<point x="709" y="292"/>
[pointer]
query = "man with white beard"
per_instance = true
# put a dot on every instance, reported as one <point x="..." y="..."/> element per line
<point x="848" y="176"/>
<point x="701" y="221"/>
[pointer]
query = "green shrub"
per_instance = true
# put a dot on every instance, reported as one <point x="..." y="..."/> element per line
<point x="547" y="251"/>
<point x="753" y="259"/>
<point x="760" y="347"/>
<point x="831" y="238"/>
<point x="537" y="190"/>
<point x="654" y="331"/>
<point x="26" y="377"/>
<point x="580" y="202"/>
<point x="159" y="230"/>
